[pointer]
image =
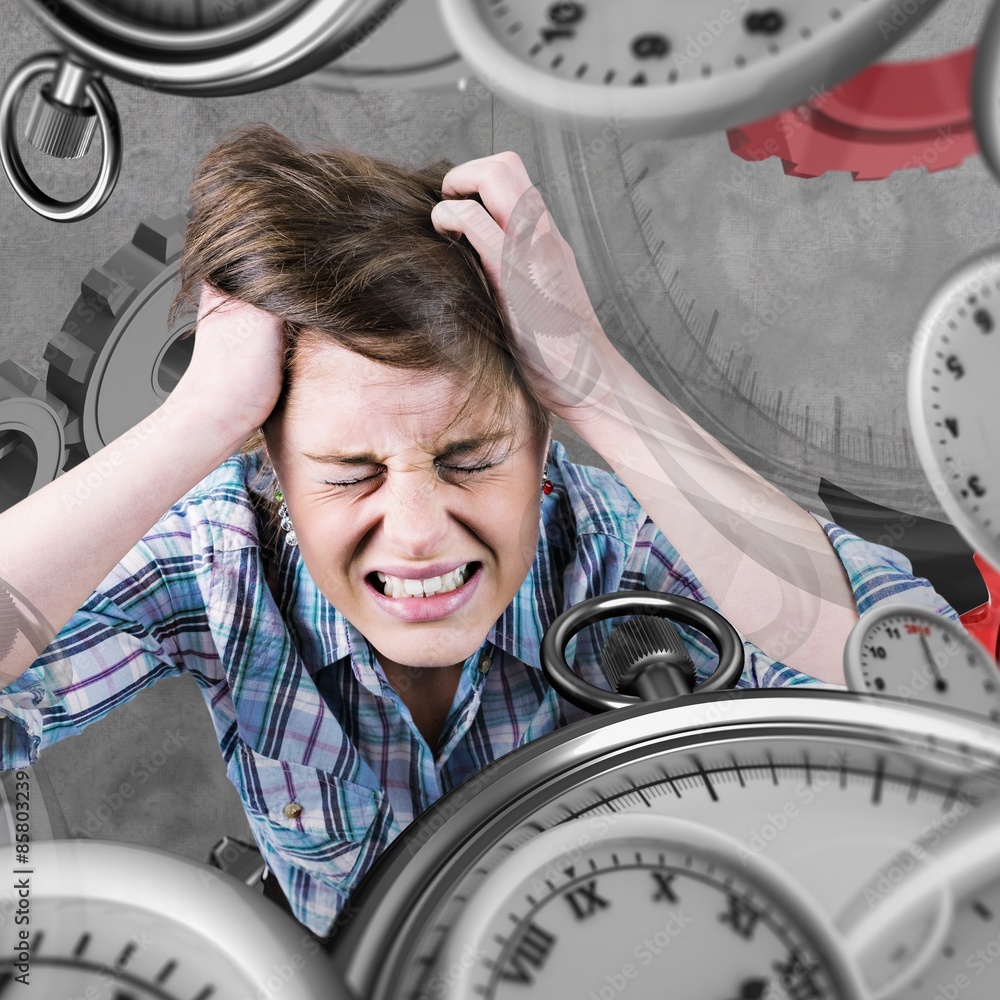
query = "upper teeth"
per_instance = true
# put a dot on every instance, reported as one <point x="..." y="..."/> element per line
<point x="396" y="586"/>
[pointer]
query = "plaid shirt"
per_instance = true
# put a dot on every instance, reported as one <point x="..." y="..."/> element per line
<point x="302" y="709"/>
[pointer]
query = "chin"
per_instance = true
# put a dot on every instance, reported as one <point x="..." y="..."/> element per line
<point x="422" y="647"/>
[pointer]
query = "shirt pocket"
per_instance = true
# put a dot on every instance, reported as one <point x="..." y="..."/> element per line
<point x="319" y="822"/>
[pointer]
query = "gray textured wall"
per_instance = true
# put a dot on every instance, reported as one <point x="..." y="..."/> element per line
<point x="789" y="228"/>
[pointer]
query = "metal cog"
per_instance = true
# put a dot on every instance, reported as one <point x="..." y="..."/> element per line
<point x="891" y="116"/>
<point x="35" y="430"/>
<point x="115" y="361"/>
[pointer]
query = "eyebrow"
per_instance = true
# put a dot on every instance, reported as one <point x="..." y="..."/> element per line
<point x="460" y="447"/>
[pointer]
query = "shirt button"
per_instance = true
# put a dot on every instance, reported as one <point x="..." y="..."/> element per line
<point x="485" y="662"/>
<point x="293" y="809"/>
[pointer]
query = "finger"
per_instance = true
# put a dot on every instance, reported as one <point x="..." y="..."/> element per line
<point x="477" y="225"/>
<point x="499" y="180"/>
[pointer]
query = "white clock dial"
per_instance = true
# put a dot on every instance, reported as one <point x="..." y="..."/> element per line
<point x="111" y="921"/>
<point x="667" y="69"/>
<point x="905" y="651"/>
<point x="643" y="903"/>
<point x="828" y="786"/>
<point x="954" y="405"/>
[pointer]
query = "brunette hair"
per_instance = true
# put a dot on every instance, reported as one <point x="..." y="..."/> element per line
<point x="341" y="245"/>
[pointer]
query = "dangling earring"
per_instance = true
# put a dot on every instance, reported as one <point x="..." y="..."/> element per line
<point x="547" y="486"/>
<point x="286" y="521"/>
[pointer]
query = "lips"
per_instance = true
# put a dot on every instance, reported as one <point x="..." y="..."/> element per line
<point x="432" y="607"/>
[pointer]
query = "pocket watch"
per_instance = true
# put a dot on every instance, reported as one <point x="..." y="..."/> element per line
<point x="660" y="70"/>
<point x="114" y="921"/>
<point x="196" y="48"/>
<point x="953" y="403"/>
<point x="545" y="874"/>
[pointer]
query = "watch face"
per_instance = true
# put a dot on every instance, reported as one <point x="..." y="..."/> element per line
<point x="669" y="69"/>
<point x="829" y="787"/>
<point x="642" y="900"/>
<point x="953" y="400"/>
<point x="909" y="652"/>
<point x="112" y="921"/>
<point x="779" y="312"/>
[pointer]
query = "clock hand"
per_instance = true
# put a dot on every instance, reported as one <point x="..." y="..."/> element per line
<point x="939" y="682"/>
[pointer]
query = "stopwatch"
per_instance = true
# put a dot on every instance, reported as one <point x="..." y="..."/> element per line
<point x="640" y="902"/>
<point x="186" y="47"/>
<point x="828" y="786"/>
<point x="656" y="70"/>
<point x="111" y="921"/>
<point x="906" y="651"/>
<point x="953" y="404"/>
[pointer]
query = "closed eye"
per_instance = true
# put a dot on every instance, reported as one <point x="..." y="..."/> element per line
<point x="351" y="482"/>
<point x="460" y="469"/>
<point x="468" y="468"/>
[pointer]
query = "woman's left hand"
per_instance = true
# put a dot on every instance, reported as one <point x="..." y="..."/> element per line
<point x="557" y="338"/>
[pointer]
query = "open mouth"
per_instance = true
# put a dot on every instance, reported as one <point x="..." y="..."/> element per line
<point x="396" y="587"/>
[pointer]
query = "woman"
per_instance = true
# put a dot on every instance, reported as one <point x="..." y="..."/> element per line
<point x="361" y="587"/>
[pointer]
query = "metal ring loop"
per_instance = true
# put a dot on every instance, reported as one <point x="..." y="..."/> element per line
<point x="17" y="174"/>
<point x="573" y="688"/>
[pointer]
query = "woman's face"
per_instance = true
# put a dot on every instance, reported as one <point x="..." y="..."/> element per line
<point x="417" y="529"/>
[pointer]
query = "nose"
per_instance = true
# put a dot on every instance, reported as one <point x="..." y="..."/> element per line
<point x="415" y="518"/>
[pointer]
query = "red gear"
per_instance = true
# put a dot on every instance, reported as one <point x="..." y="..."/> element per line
<point x="891" y="116"/>
<point x="983" y="623"/>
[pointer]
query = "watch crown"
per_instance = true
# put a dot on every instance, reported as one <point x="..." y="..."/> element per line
<point x="59" y="129"/>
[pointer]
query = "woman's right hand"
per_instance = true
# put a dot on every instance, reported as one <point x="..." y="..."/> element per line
<point x="236" y="364"/>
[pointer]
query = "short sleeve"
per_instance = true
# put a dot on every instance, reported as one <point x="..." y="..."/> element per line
<point x="143" y="622"/>
<point x="880" y="574"/>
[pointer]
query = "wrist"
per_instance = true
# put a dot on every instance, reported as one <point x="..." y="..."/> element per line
<point x="595" y="394"/>
<point x="195" y="413"/>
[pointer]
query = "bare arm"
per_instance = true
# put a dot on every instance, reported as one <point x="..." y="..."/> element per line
<point x="60" y="542"/>
<point x="764" y="560"/>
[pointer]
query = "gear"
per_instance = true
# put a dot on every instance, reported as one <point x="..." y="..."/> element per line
<point x="115" y="361"/>
<point x="35" y="428"/>
<point x="983" y="622"/>
<point x="891" y="116"/>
